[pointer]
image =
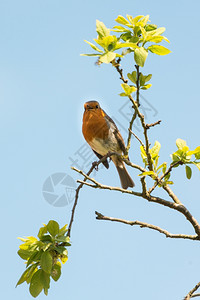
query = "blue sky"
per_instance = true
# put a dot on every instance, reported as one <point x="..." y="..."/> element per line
<point x="44" y="83"/>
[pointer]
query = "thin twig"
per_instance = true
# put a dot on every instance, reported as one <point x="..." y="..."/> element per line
<point x="138" y="85"/>
<point x="137" y="138"/>
<point x="159" y="180"/>
<point x="150" y="226"/>
<point x="129" y="133"/>
<point x="190" y="294"/>
<point x="119" y="70"/>
<point x="94" y="165"/>
<point x="153" y="124"/>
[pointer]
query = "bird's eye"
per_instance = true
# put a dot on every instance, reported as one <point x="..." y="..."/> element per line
<point x="97" y="106"/>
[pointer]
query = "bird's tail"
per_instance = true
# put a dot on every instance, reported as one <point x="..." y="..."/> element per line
<point x="125" y="178"/>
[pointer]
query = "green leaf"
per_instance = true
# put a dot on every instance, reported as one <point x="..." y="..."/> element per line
<point x="25" y="275"/>
<point x="107" y="57"/>
<point x="35" y="256"/>
<point x="166" y="178"/>
<point x="53" y="227"/>
<point x="159" y="50"/>
<point x="148" y="77"/>
<point x="32" y="271"/>
<point x="188" y="171"/>
<point x="46" y="238"/>
<point x="45" y="279"/>
<point x="132" y="76"/>
<point x="101" y="29"/>
<point x="56" y="271"/>
<point x="128" y="89"/>
<point x="175" y="157"/>
<point x="46" y="262"/>
<point x="63" y="239"/>
<point x="180" y="144"/>
<point x="146" y="86"/>
<point x="140" y="55"/>
<point x="42" y="231"/>
<point x="122" y="20"/>
<point x="24" y="254"/>
<point x="63" y="230"/>
<point x="36" y="285"/>
<point x="150" y="27"/>
<point x="93" y="46"/>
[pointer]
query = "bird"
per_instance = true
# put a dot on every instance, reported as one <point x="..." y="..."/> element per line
<point x="103" y="136"/>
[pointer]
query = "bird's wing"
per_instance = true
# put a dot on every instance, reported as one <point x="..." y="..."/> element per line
<point x="117" y="134"/>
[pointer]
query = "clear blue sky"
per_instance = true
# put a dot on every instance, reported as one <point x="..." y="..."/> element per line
<point x="43" y="84"/>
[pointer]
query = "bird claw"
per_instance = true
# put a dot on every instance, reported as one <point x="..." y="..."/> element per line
<point x="95" y="165"/>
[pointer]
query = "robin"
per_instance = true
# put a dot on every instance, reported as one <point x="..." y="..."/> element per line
<point x="102" y="134"/>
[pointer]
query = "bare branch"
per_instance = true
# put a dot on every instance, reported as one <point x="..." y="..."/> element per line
<point x="146" y="225"/>
<point x="191" y="293"/>
<point x="153" y="124"/>
<point x="103" y="186"/>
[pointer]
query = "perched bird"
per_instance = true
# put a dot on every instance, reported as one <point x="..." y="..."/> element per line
<point x="103" y="136"/>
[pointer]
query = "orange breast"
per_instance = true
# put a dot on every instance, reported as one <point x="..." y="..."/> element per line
<point x="94" y="125"/>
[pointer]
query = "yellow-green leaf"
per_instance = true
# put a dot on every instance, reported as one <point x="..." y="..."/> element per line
<point x="157" y="31"/>
<point x="93" y="46"/>
<point x="107" y="57"/>
<point x="180" y="143"/>
<point x="136" y="19"/>
<point x="122" y="20"/>
<point x="155" y="149"/>
<point x="140" y="55"/>
<point x="126" y="45"/>
<point x="101" y="29"/>
<point x="144" y="20"/>
<point x="146" y="86"/>
<point x="128" y="89"/>
<point x="159" y="50"/>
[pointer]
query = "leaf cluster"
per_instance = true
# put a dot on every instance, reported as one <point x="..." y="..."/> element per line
<point x="133" y="35"/>
<point x="183" y="156"/>
<point x="186" y="156"/>
<point x="43" y="257"/>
